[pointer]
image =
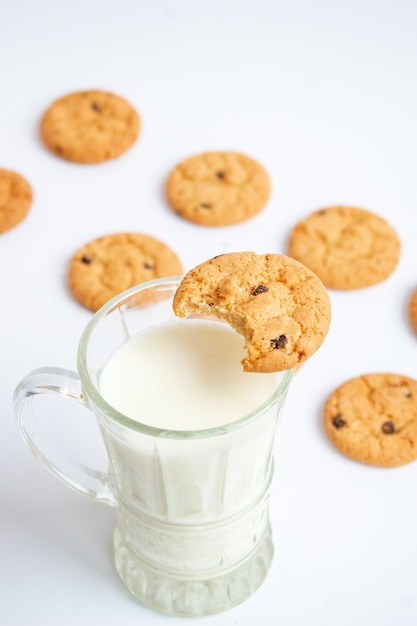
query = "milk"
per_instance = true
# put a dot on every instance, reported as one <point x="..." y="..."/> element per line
<point x="184" y="375"/>
<point x="190" y="499"/>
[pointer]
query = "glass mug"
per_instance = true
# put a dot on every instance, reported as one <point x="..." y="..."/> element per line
<point x="192" y="535"/>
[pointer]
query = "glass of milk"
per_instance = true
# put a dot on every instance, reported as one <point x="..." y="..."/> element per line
<point x="189" y="438"/>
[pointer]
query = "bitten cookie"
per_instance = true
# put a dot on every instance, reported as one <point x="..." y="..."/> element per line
<point x="412" y="310"/>
<point x="108" y="265"/>
<point x="347" y="247"/>
<point x="373" y="419"/>
<point x="15" y="199"/>
<point x="218" y="188"/>
<point x="279" y="306"/>
<point x="90" y="126"/>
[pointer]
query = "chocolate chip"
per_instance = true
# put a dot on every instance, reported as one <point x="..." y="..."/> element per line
<point x="208" y="298"/>
<point x="204" y="205"/>
<point x="279" y="342"/>
<point x="338" y="421"/>
<point x="322" y="212"/>
<point x="220" y="175"/>
<point x="96" y="107"/>
<point x="259" y="289"/>
<point x="388" y="428"/>
<point x="86" y="259"/>
<point x="148" y="266"/>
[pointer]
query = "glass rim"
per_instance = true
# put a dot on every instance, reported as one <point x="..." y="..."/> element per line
<point x="93" y="394"/>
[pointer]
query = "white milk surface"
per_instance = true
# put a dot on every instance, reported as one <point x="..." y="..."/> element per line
<point x="184" y="375"/>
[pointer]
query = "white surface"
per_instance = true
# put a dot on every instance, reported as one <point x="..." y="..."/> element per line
<point x="324" y="95"/>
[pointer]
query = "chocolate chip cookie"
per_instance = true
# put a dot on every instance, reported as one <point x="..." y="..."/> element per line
<point x="373" y="419"/>
<point x="281" y="308"/>
<point x="90" y="126"/>
<point x="218" y="188"/>
<point x="110" y="264"/>
<point x="15" y="199"/>
<point x="347" y="247"/>
<point x="412" y="310"/>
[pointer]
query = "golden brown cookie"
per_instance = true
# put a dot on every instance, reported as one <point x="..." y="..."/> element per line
<point x="373" y="419"/>
<point x="280" y="307"/>
<point x="347" y="247"/>
<point x="412" y="310"/>
<point x="108" y="265"/>
<point x="218" y="188"/>
<point x="15" y="199"/>
<point x="90" y="126"/>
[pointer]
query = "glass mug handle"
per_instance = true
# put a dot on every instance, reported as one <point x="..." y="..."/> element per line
<point x="64" y="383"/>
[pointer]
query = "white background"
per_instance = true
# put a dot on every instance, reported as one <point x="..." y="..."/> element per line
<point x="324" y="95"/>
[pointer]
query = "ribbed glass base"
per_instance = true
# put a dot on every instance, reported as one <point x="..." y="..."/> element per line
<point x="193" y="595"/>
